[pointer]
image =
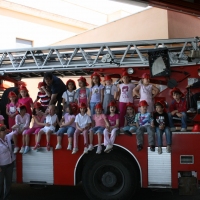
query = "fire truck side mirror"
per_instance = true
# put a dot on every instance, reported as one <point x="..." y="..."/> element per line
<point x="159" y="62"/>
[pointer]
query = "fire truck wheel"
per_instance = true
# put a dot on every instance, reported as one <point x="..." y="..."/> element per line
<point x="109" y="177"/>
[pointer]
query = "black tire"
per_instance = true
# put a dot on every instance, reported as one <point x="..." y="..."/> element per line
<point x="109" y="177"/>
<point x="4" y="101"/>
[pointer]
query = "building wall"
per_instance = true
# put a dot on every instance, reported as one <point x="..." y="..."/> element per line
<point x="42" y="32"/>
<point x="182" y="25"/>
<point x="146" y="25"/>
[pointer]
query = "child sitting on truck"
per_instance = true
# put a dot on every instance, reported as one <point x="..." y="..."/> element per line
<point x="144" y="122"/>
<point x="161" y="123"/>
<point x="178" y="109"/>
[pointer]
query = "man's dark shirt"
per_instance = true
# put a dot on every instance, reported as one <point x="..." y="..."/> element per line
<point x="57" y="87"/>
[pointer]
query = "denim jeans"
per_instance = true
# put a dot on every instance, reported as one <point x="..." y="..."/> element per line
<point x="140" y="134"/>
<point x="130" y="128"/>
<point x="159" y="134"/>
<point x="92" y="108"/>
<point x="66" y="129"/>
<point x="183" y="120"/>
<point x="98" y="129"/>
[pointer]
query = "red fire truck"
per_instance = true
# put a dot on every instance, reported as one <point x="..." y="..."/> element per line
<point x="118" y="174"/>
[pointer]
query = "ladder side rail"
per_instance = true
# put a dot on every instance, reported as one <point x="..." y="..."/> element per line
<point x="97" y="45"/>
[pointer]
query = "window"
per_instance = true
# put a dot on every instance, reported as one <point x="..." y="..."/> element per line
<point x="21" y="43"/>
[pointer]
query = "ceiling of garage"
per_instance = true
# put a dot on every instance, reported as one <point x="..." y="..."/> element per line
<point x="184" y="6"/>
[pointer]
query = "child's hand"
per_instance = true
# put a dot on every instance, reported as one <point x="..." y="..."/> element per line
<point x="47" y="124"/>
<point x="174" y="112"/>
<point x="179" y="114"/>
<point x="161" y="126"/>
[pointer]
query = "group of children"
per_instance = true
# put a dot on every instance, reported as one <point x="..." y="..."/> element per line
<point x="105" y="118"/>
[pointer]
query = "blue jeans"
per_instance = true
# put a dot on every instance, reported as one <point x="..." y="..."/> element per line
<point x="67" y="129"/>
<point x="98" y="129"/>
<point x="168" y="135"/>
<point x="183" y="120"/>
<point x="130" y="128"/>
<point x="92" y="107"/>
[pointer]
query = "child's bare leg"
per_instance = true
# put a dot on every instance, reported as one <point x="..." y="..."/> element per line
<point x="99" y="138"/>
<point x="23" y="140"/>
<point x="91" y="137"/>
<point x="36" y="135"/>
<point x="69" y="140"/>
<point x="48" y="135"/>
<point x="39" y="136"/>
<point x="59" y="139"/>
<point x="15" y="139"/>
<point x="27" y="139"/>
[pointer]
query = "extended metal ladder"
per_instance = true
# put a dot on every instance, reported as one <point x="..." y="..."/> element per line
<point x="83" y="59"/>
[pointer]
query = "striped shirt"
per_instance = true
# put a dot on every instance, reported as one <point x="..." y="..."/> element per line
<point x="44" y="99"/>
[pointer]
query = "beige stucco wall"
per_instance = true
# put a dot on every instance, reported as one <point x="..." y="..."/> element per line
<point x="42" y="32"/>
<point x="182" y="25"/>
<point x="148" y="24"/>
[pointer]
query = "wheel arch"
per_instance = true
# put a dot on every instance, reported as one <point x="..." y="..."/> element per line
<point x="117" y="149"/>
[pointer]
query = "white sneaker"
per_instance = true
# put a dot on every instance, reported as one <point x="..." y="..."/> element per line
<point x="27" y="149"/>
<point x="90" y="148"/>
<point x="191" y="110"/>
<point x="74" y="150"/>
<point x="173" y="129"/>
<point x="85" y="150"/>
<point x="183" y="129"/>
<point x="58" y="146"/>
<point x="159" y="150"/>
<point x="108" y="148"/>
<point x="16" y="149"/>
<point x="22" y="150"/>
<point x="168" y="149"/>
<point x="99" y="149"/>
<point x="69" y="147"/>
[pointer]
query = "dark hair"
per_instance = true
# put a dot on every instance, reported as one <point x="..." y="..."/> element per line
<point x="132" y="108"/>
<point x="48" y="75"/>
<point x="20" y="96"/>
<point x="16" y="99"/>
<point x="85" y="110"/>
<point x="74" y="88"/>
<point x="159" y="104"/>
<point x="84" y="83"/>
<point x="42" y="108"/>
<point x="108" y="110"/>
<point x="70" y="108"/>
<point x="23" y="108"/>
<point x="176" y="92"/>
<point x="99" y="82"/>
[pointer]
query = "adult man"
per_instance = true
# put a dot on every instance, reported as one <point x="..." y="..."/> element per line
<point x="57" y="88"/>
<point x="194" y="97"/>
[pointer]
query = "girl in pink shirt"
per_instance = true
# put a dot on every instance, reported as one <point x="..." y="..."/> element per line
<point x="99" y="123"/>
<point x="125" y="93"/>
<point x="24" y="98"/>
<point x="146" y="91"/>
<point x="67" y="125"/>
<point x="113" y="126"/>
<point x="22" y="121"/>
<point x="83" y="93"/>
<point x="11" y="109"/>
<point x="38" y="117"/>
